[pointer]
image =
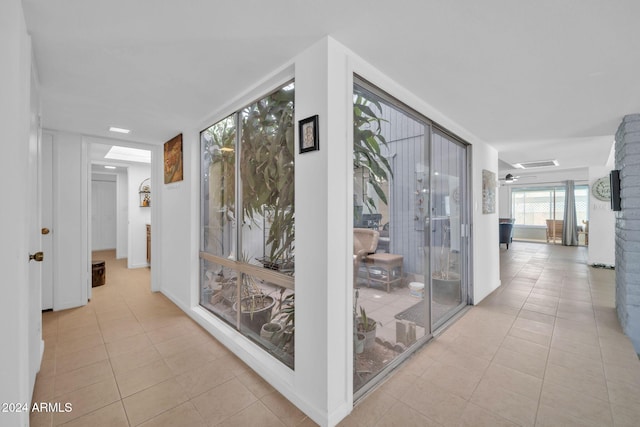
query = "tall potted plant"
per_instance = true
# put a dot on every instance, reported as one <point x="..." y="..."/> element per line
<point x="267" y="168"/>
<point x="367" y="143"/>
<point x="446" y="283"/>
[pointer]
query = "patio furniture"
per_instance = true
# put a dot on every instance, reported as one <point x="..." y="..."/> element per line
<point x="584" y="231"/>
<point x="554" y="230"/>
<point x="381" y="268"/>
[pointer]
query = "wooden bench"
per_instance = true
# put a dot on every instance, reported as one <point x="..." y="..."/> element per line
<point x="554" y="230"/>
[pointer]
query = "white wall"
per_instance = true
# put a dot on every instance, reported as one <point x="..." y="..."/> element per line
<point x="15" y="320"/>
<point x="122" y="215"/>
<point x="486" y="248"/>
<point x="139" y="216"/>
<point x="70" y="218"/>
<point x="602" y="224"/>
<point x="178" y="230"/>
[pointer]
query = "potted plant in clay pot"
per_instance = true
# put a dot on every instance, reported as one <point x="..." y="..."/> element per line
<point x="280" y="329"/>
<point x="255" y="306"/>
<point x="446" y="283"/>
<point x="255" y="310"/>
<point x="358" y="341"/>
<point x="286" y="318"/>
<point x="366" y="326"/>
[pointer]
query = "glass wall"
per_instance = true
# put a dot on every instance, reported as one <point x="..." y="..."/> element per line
<point x="534" y="205"/>
<point x="409" y="225"/>
<point x="448" y="190"/>
<point x="247" y="222"/>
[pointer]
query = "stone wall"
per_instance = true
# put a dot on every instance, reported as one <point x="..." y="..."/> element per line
<point x="628" y="228"/>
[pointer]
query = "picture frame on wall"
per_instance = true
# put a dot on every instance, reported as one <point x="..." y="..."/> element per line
<point x="308" y="134"/>
<point x="488" y="192"/>
<point x="173" y="171"/>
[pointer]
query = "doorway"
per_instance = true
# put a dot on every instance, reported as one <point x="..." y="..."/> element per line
<point x="410" y="224"/>
<point x="119" y="209"/>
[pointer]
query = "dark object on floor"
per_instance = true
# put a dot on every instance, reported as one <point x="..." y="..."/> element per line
<point x="98" y="273"/>
<point x="610" y="267"/>
<point x="415" y="313"/>
<point x="506" y="230"/>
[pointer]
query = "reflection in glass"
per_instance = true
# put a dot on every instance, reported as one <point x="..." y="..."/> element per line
<point x="218" y="290"/>
<point x="218" y="188"/>
<point x="447" y="186"/>
<point x="390" y="211"/>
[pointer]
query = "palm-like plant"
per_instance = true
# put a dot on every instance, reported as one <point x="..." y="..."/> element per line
<point x="367" y="142"/>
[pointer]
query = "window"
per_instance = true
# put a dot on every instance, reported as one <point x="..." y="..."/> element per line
<point x="533" y="206"/>
<point x="247" y="222"/>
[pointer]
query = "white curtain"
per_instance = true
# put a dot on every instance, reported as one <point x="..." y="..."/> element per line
<point x="570" y="227"/>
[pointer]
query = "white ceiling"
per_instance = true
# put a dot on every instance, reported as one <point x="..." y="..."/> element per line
<point x="536" y="79"/>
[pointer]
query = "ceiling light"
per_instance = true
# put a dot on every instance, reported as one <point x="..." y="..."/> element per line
<point x="118" y="130"/>
<point x="109" y="167"/>
<point x="536" y="164"/>
<point x="129" y="154"/>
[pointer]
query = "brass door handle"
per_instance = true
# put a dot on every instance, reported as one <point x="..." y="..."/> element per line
<point x="38" y="256"/>
<point x="45" y="230"/>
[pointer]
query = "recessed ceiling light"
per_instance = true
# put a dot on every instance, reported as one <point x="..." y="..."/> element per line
<point x="129" y="154"/>
<point x="119" y="130"/>
<point x="109" y="167"/>
<point x="536" y="164"/>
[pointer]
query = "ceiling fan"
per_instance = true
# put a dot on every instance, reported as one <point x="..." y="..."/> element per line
<point x="510" y="179"/>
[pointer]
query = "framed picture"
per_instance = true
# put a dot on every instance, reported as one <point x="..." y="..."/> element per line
<point x="488" y="192"/>
<point x="308" y="136"/>
<point x="173" y="160"/>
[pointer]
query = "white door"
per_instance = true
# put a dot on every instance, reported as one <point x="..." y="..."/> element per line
<point x="20" y="318"/>
<point x="36" y="345"/>
<point x="46" y="200"/>
<point x="103" y="215"/>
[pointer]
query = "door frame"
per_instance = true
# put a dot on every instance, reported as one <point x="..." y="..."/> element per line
<point x="156" y="155"/>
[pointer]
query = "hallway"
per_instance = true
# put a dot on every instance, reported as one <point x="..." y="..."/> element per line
<point x="544" y="349"/>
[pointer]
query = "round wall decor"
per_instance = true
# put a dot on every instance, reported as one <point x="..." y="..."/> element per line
<point x="601" y="189"/>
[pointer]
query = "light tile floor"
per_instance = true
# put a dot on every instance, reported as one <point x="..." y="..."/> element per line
<point x="544" y="349"/>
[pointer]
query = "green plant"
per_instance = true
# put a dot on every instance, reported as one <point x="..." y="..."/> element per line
<point x="366" y="324"/>
<point x="286" y="315"/>
<point x="266" y="166"/>
<point x="267" y="169"/>
<point x="367" y="142"/>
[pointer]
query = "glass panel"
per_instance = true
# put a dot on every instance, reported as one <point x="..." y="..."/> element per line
<point x="268" y="317"/>
<point x="219" y="290"/>
<point x="447" y="188"/>
<point x="218" y="188"/>
<point x="533" y="206"/>
<point x="267" y="171"/>
<point x="391" y="184"/>
<point x="261" y="155"/>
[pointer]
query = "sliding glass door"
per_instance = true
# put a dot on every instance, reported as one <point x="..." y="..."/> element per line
<point x="449" y="241"/>
<point x="409" y="227"/>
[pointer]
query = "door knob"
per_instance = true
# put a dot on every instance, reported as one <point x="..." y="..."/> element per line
<point x="38" y="256"/>
<point x="45" y="231"/>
